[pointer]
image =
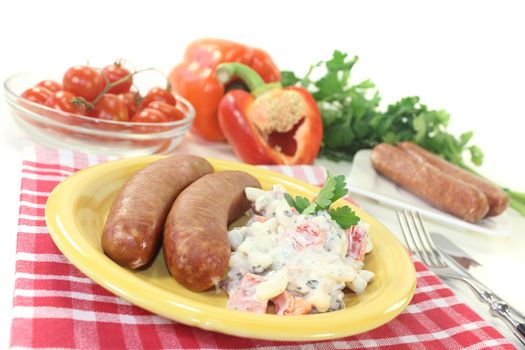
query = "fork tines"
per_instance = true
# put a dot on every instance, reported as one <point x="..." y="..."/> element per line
<point x="418" y="239"/>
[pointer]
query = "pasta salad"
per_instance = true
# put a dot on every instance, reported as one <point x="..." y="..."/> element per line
<point x="299" y="263"/>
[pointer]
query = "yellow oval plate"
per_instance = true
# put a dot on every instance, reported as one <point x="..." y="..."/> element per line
<point x="75" y="215"/>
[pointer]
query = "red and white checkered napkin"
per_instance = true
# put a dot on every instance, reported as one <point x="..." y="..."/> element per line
<point x="56" y="306"/>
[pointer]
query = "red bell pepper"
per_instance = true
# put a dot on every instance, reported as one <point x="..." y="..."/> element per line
<point x="272" y="125"/>
<point x="194" y="78"/>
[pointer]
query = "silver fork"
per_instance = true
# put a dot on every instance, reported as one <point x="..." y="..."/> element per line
<point x="419" y="242"/>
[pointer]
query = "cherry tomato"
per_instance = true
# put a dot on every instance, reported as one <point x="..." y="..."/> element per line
<point x="149" y="115"/>
<point x="67" y="102"/>
<point x="51" y="85"/>
<point x="159" y="94"/>
<point x="132" y="100"/>
<point x="84" y="81"/>
<point x="110" y="107"/>
<point x="37" y="94"/>
<point x="116" y="72"/>
<point x="171" y="112"/>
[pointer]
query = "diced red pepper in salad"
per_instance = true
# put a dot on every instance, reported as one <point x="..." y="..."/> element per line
<point x="356" y="236"/>
<point x="287" y="303"/>
<point x="307" y="235"/>
<point x="244" y="298"/>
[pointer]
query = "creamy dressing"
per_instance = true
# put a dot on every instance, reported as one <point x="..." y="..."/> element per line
<point x="299" y="263"/>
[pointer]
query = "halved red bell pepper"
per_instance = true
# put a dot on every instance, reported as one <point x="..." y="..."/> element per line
<point x="272" y="125"/>
<point x="194" y="78"/>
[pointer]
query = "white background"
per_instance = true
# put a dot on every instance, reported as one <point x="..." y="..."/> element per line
<point x="467" y="57"/>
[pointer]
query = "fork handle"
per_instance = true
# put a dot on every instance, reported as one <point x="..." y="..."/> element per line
<point x="498" y="308"/>
<point x="490" y="295"/>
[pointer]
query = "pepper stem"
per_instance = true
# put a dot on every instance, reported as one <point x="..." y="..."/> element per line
<point x="255" y="83"/>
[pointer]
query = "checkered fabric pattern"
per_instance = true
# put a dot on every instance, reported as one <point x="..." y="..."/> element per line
<point x="56" y="306"/>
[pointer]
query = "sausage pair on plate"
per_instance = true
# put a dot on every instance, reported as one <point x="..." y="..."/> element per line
<point x="182" y="199"/>
<point x="133" y="230"/>
<point x="497" y="198"/>
<point x="443" y="185"/>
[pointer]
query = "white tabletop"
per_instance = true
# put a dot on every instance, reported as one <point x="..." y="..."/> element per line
<point x="465" y="57"/>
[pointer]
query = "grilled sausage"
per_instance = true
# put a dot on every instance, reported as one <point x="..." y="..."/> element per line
<point x="429" y="183"/>
<point x="132" y="233"/>
<point x="196" y="246"/>
<point x="498" y="199"/>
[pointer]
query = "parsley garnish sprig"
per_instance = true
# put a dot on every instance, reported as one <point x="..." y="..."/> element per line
<point x="333" y="189"/>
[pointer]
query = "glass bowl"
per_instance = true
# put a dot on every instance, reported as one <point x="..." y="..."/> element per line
<point x="60" y="129"/>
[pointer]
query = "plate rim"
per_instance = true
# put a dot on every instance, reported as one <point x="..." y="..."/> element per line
<point x="219" y="321"/>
